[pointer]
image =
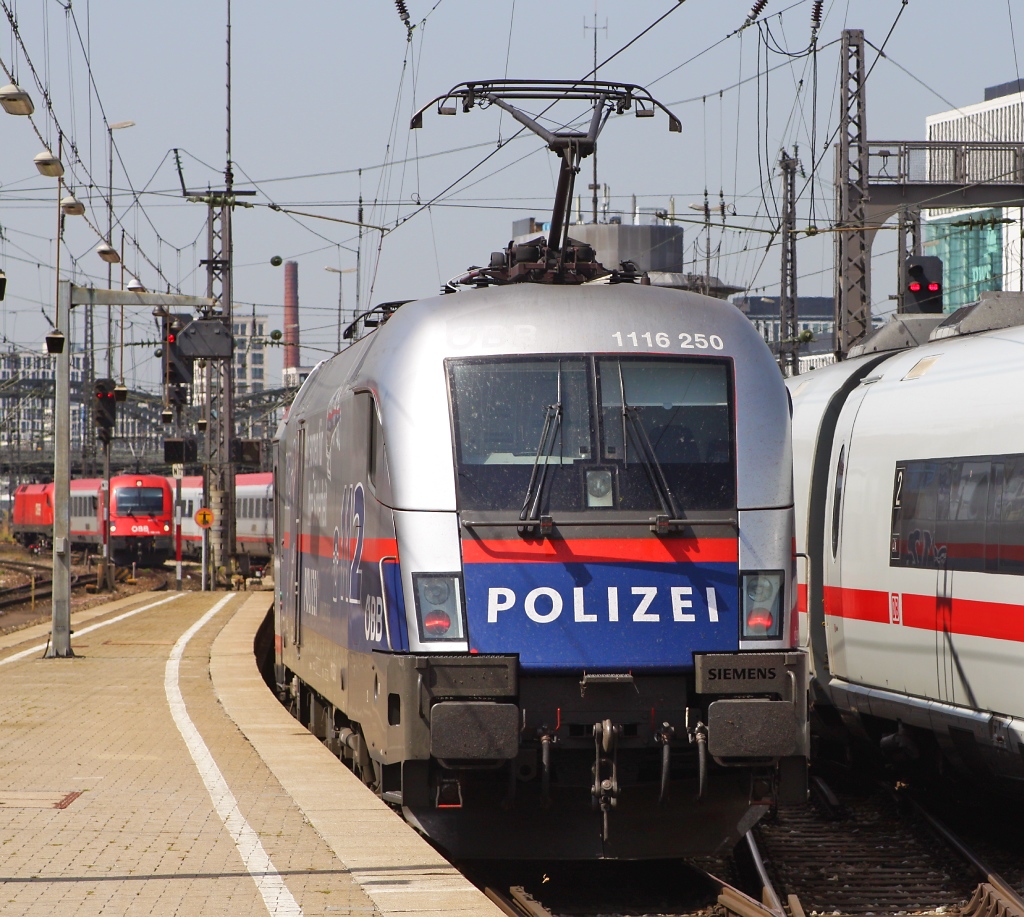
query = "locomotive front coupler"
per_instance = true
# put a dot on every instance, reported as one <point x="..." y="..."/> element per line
<point x="605" y="791"/>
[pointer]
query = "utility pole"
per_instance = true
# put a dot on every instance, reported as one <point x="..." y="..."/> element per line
<point x="88" y="378"/>
<point x="789" y="346"/>
<point x="853" y="252"/>
<point x="218" y="477"/>
<point x="594" y="186"/>
<point x="69" y="296"/>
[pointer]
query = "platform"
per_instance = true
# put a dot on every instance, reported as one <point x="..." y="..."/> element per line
<point x="155" y="773"/>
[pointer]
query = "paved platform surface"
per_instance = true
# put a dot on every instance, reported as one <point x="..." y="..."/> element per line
<point x="155" y="773"/>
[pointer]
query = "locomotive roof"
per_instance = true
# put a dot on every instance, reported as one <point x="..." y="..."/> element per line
<point x="403" y="364"/>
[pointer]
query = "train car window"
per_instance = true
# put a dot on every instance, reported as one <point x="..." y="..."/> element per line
<point x="837" y="501"/>
<point x="139" y="501"/>
<point x="377" y="472"/>
<point x="960" y="513"/>
<point x="683" y="411"/>
<point x="594" y="427"/>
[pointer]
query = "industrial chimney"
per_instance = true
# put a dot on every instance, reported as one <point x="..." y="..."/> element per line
<point x="291" y="315"/>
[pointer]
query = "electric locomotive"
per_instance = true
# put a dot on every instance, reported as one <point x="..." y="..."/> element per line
<point x="534" y="564"/>
<point x="139" y="525"/>
<point x="909" y="468"/>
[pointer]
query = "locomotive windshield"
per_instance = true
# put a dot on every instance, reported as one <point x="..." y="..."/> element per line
<point x="637" y="433"/>
<point x="139" y="501"/>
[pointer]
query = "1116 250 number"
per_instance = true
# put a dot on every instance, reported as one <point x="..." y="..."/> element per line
<point x="662" y="340"/>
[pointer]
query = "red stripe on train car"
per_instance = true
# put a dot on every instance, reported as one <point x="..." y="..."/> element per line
<point x="601" y="550"/>
<point x="857" y="604"/>
<point x="966" y="617"/>
<point x="373" y="548"/>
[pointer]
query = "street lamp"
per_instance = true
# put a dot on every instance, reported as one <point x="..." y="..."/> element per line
<point x="339" y="272"/>
<point x="15" y="101"/>
<point x="48" y="164"/>
<point x="108" y="253"/>
<point x="72" y="206"/>
<point x="116" y="126"/>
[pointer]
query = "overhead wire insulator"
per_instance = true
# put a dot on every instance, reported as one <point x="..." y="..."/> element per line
<point x="816" y="13"/>
<point x="403" y="13"/>
<point x="756" y="9"/>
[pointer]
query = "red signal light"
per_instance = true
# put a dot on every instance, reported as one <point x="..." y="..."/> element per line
<point x="914" y="286"/>
<point x="934" y="287"/>
<point x="436" y="623"/>
<point x="171" y="337"/>
<point x="760" y="619"/>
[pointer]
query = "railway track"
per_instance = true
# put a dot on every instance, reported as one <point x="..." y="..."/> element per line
<point x="666" y="888"/>
<point x="40" y="588"/>
<point x="870" y="849"/>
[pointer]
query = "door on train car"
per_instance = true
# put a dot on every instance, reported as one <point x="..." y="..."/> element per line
<point x="296" y="478"/>
<point x="276" y="552"/>
<point x="836" y="594"/>
<point x="383" y="616"/>
<point x="844" y="529"/>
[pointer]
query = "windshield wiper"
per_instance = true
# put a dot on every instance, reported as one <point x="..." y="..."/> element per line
<point x="649" y="458"/>
<point x="545" y="446"/>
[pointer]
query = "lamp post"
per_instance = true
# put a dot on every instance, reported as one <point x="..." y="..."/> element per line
<point x="69" y="296"/>
<point x="340" y="272"/>
<point x="111" y="260"/>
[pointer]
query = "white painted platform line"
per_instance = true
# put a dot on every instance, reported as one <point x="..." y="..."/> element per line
<point x="276" y="896"/>
<point x="85" y="630"/>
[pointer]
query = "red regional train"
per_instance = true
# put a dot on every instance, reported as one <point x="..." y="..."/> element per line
<point x="141" y="517"/>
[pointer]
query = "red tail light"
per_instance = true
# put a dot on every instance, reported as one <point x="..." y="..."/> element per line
<point x="436" y="623"/>
<point x="762" y="606"/>
<point x="439" y="606"/>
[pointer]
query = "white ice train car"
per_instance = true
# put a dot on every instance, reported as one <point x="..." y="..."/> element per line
<point x="909" y="470"/>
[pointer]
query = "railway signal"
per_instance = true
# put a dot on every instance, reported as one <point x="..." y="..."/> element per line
<point x="177" y="367"/>
<point x="922" y="284"/>
<point x="105" y="408"/>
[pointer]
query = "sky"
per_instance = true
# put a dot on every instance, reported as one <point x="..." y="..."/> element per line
<point x="322" y="93"/>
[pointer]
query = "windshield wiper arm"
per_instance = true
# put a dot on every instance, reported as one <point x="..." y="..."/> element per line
<point x="649" y="458"/>
<point x="545" y="446"/>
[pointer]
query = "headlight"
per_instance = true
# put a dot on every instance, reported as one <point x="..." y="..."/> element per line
<point x="599" y="488"/>
<point x="763" y="609"/>
<point x="167" y="527"/>
<point x="113" y="527"/>
<point x="439" y="606"/>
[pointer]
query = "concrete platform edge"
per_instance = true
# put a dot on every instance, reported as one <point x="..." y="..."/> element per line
<point x="399" y="871"/>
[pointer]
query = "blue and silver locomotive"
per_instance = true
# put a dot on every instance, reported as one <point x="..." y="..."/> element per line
<point x="535" y="570"/>
<point x="535" y="560"/>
